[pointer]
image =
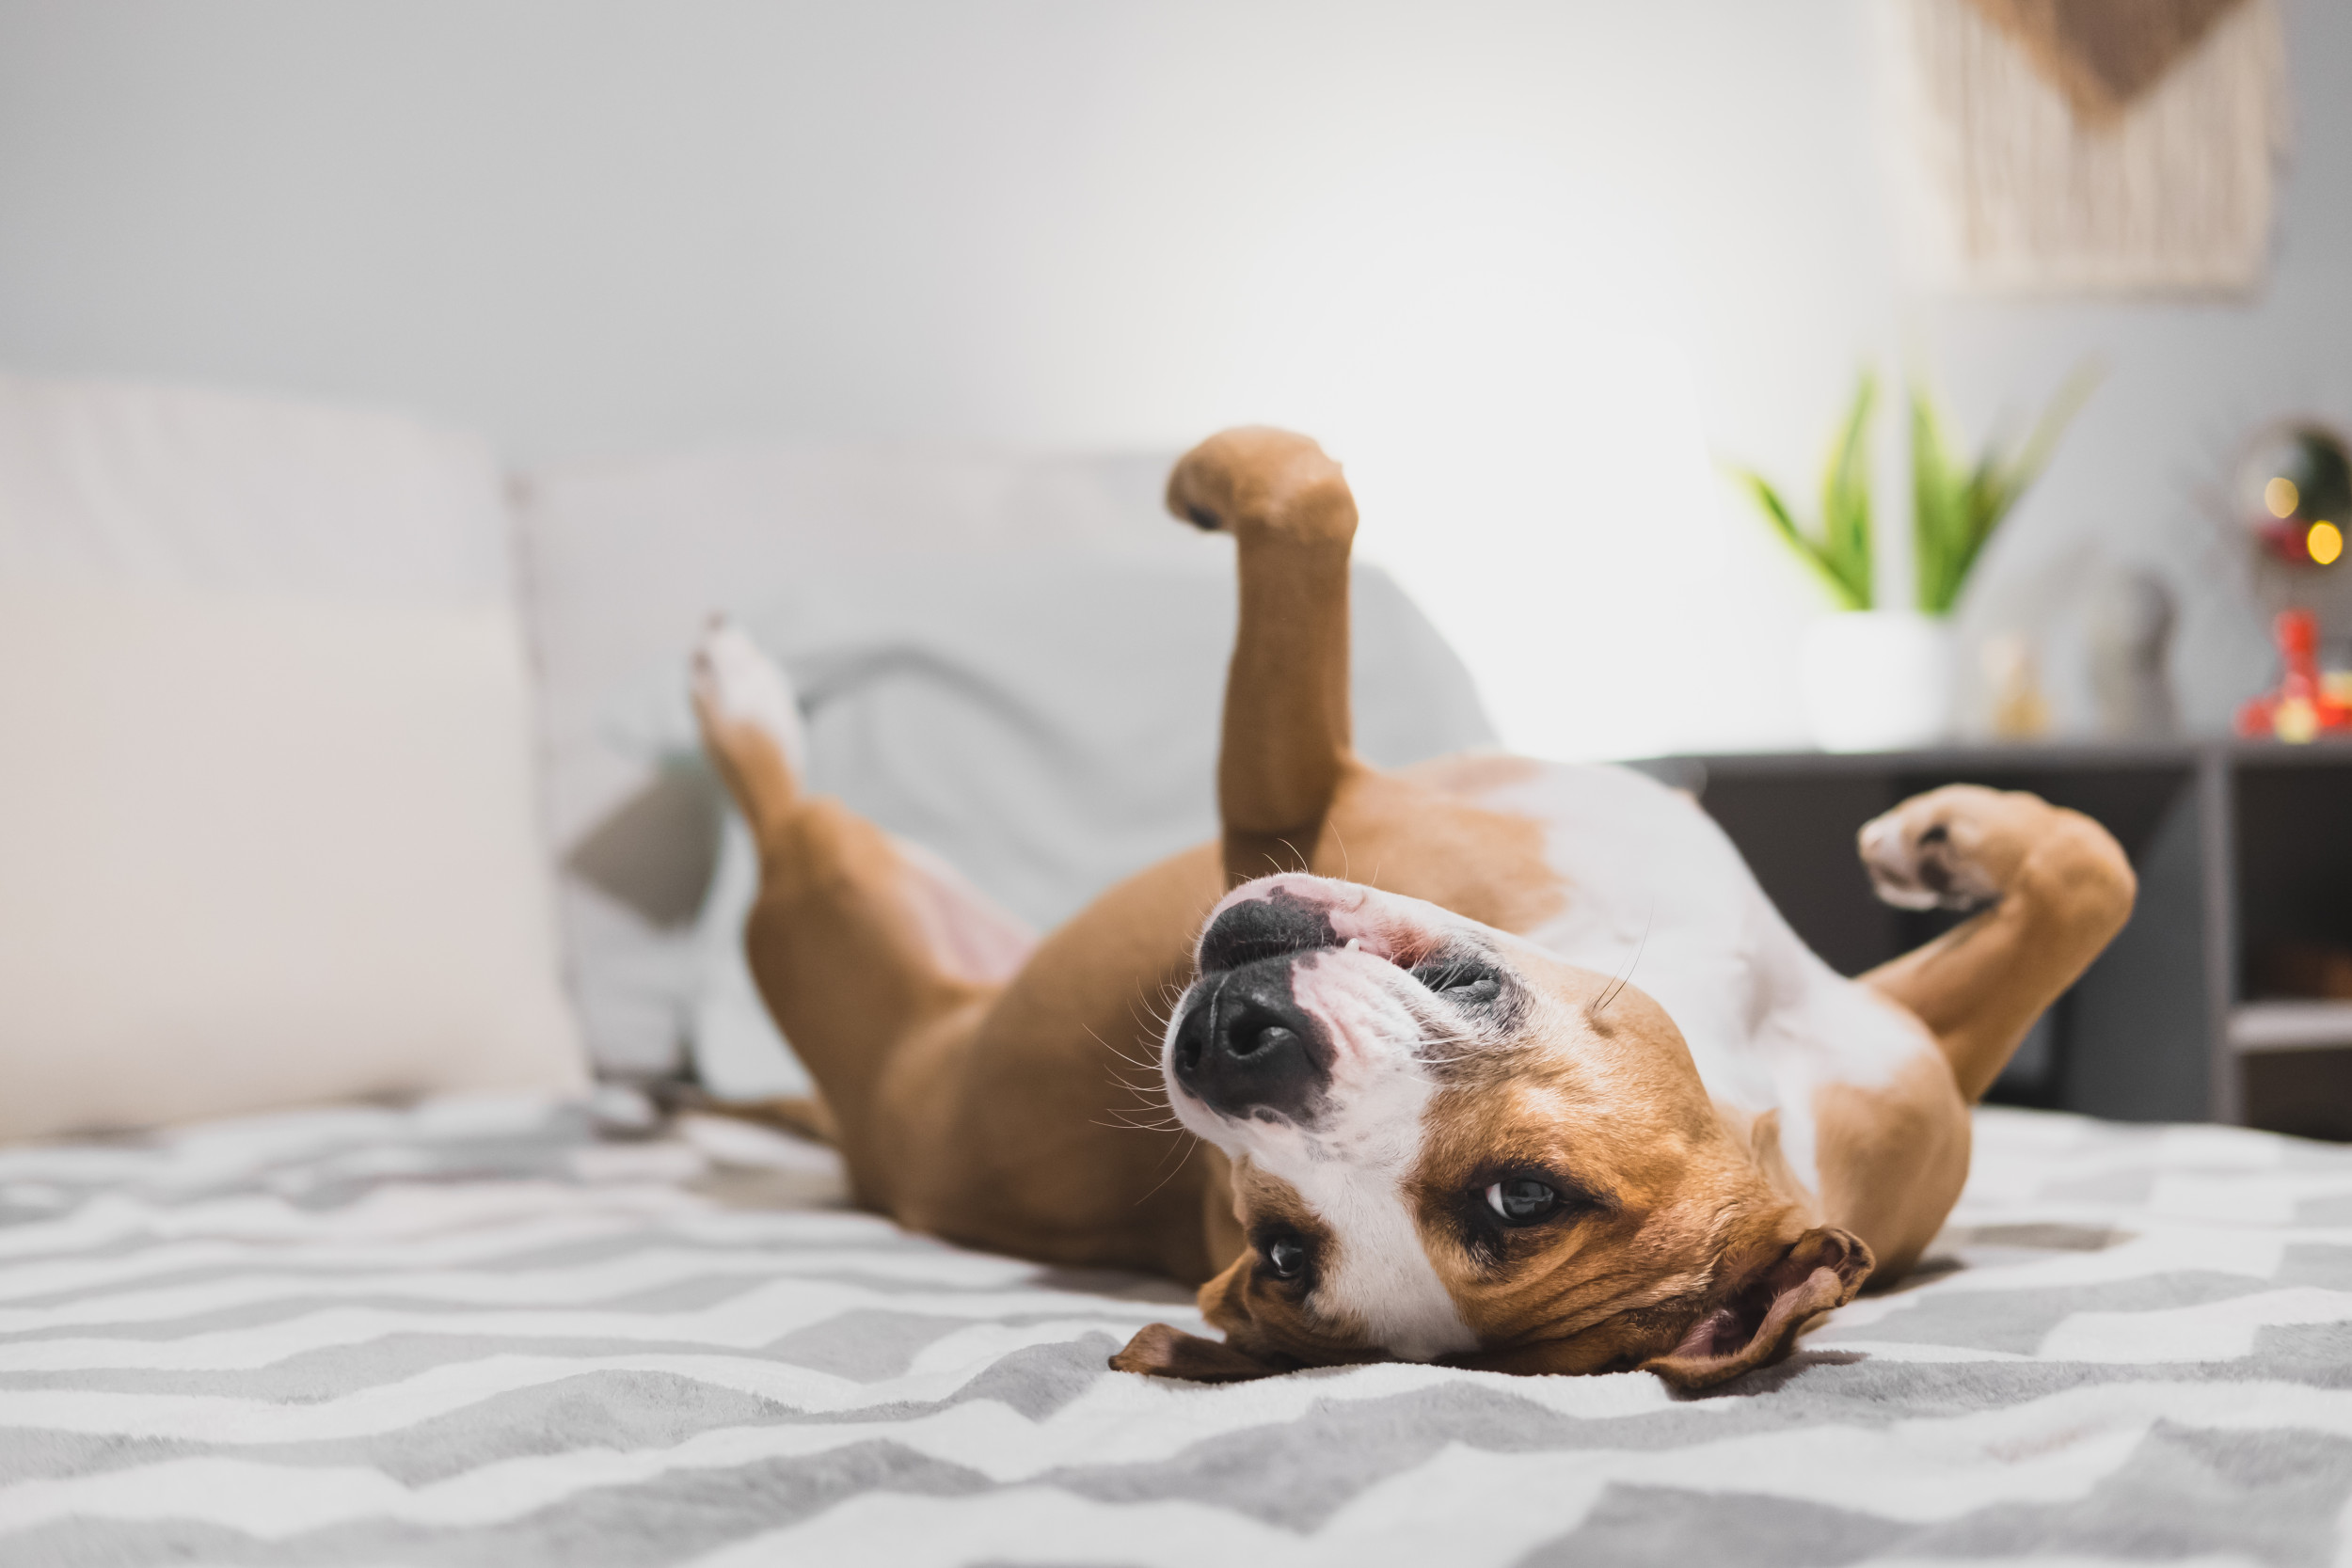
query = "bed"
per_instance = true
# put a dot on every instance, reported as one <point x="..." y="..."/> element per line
<point x="541" y="1329"/>
<point x="479" y="1330"/>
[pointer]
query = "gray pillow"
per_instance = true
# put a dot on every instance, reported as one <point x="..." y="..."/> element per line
<point x="1045" y="721"/>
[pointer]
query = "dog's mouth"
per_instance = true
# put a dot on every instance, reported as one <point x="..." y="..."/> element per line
<point x="1293" y="913"/>
<point x="1314" y="992"/>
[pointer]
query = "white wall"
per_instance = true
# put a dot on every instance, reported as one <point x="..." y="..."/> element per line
<point x="1528" y="269"/>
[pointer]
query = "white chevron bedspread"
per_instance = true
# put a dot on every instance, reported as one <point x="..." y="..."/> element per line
<point x="472" y="1332"/>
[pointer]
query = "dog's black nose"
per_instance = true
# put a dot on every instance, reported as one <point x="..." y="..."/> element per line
<point x="1245" y="1046"/>
<point x="1268" y="927"/>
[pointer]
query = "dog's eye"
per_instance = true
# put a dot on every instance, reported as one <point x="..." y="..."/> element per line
<point x="1287" y="1257"/>
<point x="1464" y="984"/>
<point x="1521" y="1199"/>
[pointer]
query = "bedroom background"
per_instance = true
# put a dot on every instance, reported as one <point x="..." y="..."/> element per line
<point x="1529" y="270"/>
<point x="389" y="388"/>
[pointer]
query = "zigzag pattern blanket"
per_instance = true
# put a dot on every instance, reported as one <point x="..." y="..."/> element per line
<point x="471" y="1332"/>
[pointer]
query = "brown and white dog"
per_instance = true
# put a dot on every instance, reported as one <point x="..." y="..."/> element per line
<point x="1435" y="1113"/>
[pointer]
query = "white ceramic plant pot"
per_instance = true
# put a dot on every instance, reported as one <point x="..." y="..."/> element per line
<point x="1877" y="680"/>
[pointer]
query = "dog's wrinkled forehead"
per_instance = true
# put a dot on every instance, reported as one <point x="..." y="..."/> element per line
<point x="1309" y="1050"/>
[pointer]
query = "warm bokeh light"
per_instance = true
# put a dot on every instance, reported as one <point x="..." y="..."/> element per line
<point x="2325" y="542"/>
<point x="2281" y="497"/>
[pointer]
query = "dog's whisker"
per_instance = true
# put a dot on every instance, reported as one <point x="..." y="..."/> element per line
<point x="1149" y="1063"/>
<point x="1134" y="1127"/>
<point x="1618" y="985"/>
<point x="1187" y="1146"/>
<point x="1150" y="1086"/>
<point x="1142" y="1088"/>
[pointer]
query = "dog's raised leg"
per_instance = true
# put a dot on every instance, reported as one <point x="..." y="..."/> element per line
<point x="862" y="948"/>
<point x="1286" y="745"/>
<point x="1292" y="794"/>
<point x="2058" y="888"/>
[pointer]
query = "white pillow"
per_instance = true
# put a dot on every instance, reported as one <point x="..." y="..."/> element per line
<point x="121" y="483"/>
<point x="268" y="832"/>
<point x="263" y="852"/>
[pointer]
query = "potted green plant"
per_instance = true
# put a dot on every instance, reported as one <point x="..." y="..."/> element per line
<point x="1878" y="679"/>
<point x="1955" y="510"/>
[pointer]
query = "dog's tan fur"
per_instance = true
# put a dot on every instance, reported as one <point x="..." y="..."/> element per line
<point x="988" y="1110"/>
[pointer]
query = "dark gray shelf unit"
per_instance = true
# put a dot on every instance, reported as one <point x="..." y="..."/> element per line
<point x="2237" y="844"/>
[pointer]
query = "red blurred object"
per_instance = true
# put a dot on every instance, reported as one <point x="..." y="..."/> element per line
<point x="2301" y="706"/>
<point x="2289" y="539"/>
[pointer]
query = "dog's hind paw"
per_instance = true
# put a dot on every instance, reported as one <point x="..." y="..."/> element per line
<point x="734" y="683"/>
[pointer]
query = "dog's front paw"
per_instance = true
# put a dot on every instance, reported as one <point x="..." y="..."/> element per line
<point x="1944" y="848"/>
<point x="1261" y="481"/>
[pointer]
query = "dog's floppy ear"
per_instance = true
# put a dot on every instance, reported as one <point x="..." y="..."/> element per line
<point x="1758" y="1322"/>
<point x="1163" y="1351"/>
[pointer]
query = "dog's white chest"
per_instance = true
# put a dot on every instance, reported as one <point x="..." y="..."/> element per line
<point x="1655" y="890"/>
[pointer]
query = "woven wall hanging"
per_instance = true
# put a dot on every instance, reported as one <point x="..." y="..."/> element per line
<point x="2096" y="146"/>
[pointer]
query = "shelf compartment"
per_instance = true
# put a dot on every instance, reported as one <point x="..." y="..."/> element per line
<point x="2261" y="1026"/>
